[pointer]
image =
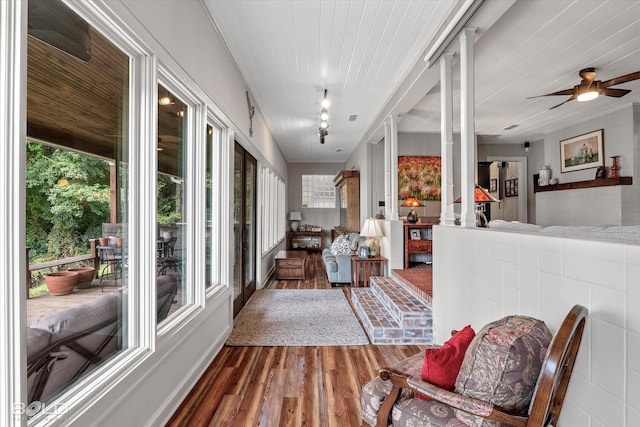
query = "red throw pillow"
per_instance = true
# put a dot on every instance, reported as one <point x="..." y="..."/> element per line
<point x="441" y="365"/>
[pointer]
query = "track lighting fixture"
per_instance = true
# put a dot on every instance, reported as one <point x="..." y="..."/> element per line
<point x="324" y="117"/>
<point x="325" y="102"/>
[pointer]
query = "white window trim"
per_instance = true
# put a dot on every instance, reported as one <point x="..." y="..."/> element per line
<point x="13" y="72"/>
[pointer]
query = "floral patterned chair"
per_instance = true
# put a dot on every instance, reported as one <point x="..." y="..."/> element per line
<point x="509" y="377"/>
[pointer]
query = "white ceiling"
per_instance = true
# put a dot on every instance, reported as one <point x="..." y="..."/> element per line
<point x="364" y="52"/>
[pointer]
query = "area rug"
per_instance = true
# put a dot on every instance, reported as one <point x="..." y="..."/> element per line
<point x="288" y="317"/>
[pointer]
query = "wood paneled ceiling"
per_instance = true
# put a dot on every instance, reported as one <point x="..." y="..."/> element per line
<point x="83" y="106"/>
<point x="289" y="51"/>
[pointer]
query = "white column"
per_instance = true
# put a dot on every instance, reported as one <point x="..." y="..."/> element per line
<point x="387" y="170"/>
<point x="447" y="216"/>
<point x="467" y="128"/>
<point x="393" y="158"/>
<point x="391" y="168"/>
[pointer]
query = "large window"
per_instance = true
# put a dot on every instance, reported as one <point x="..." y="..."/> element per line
<point x="77" y="179"/>
<point x="273" y="209"/>
<point x="172" y="187"/>
<point x="318" y="191"/>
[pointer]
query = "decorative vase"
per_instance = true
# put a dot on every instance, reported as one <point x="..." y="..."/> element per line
<point x="412" y="217"/>
<point x="544" y="176"/>
<point x="614" y="166"/>
<point x="61" y="283"/>
<point x="85" y="276"/>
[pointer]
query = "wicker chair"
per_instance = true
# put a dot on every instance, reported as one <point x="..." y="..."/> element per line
<point x="396" y="390"/>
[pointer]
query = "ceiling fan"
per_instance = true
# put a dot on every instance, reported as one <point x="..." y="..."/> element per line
<point x="589" y="88"/>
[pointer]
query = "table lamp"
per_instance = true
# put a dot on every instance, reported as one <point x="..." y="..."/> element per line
<point x="371" y="230"/>
<point x="294" y="217"/>
<point x="412" y="216"/>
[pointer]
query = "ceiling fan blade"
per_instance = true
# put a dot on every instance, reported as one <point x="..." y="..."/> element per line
<point x="615" y="92"/>
<point x="560" y="92"/>
<point x="621" y="79"/>
<point x="562" y="103"/>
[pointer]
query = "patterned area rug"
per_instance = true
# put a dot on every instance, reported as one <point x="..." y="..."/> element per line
<point x="287" y="317"/>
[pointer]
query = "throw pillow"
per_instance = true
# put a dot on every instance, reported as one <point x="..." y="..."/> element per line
<point x="341" y="246"/>
<point x="441" y="365"/>
<point x="502" y="365"/>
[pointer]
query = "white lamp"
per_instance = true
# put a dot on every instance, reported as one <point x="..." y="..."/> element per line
<point x="371" y="230"/>
<point x="294" y="217"/>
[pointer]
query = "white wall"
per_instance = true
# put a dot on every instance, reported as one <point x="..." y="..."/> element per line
<point x="325" y="218"/>
<point x="481" y="275"/>
<point x="594" y="206"/>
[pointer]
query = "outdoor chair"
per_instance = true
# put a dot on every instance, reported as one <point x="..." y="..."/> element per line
<point x="506" y="379"/>
<point x="169" y="259"/>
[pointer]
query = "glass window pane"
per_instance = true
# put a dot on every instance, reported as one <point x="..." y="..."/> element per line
<point x="172" y="145"/>
<point x="318" y="191"/>
<point x="77" y="192"/>
<point x="212" y="185"/>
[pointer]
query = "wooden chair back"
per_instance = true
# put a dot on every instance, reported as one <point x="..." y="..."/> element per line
<point x="557" y="368"/>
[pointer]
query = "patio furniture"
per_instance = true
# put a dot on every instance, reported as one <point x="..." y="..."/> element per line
<point x="64" y="345"/>
<point x="111" y="264"/>
<point x="496" y="385"/>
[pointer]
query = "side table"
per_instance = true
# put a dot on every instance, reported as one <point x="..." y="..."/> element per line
<point x="363" y="268"/>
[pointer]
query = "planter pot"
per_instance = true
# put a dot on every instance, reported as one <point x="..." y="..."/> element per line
<point x="118" y="241"/>
<point x="61" y="283"/>
<point x="85" y="276"/>
<point x="104" y="241"/>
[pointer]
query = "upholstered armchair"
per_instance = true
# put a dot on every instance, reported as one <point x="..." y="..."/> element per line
<point x="506" y="379"/>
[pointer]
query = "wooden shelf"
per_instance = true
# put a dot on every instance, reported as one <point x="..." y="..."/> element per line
<point x="602" y="182"/>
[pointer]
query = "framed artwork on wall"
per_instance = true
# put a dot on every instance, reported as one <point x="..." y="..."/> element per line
<point x="419" y="177"/>
<point x="582" y="151"/>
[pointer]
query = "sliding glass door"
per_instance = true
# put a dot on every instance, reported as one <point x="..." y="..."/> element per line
<point x="244" y="227"/>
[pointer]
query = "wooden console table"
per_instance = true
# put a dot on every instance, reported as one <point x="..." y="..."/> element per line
<point x="363" y="268"/>
<point x="307" y="240"/>
<point x="290" y="265"/>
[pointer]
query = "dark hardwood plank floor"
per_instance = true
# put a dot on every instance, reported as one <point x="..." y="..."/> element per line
<point x="287" y="386"/>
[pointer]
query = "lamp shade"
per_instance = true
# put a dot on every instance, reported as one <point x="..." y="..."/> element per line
<point x="295" y="216"/>
<point x="481" y="196"/>
<point x="412" y="202"/>
<point x="370" y="228"/>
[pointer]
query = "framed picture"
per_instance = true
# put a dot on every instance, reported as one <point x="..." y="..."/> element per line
<point x="582" y="151"/>
<point x="493" y="185"/>
<point x="415" y="234"/>
<point x="363" y="252"/>
<point x="601" y="172"/>
<point x="419" y="177"/>
<point x="511" y="187"/>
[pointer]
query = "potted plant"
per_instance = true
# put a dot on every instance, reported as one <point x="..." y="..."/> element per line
<point x="85" y="276"/>
<point x="61" y="283"/>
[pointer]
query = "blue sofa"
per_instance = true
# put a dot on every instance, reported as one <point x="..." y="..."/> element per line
<point x="338" y="267"/>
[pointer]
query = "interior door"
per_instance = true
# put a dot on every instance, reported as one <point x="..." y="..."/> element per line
<point x="244" y="227"/>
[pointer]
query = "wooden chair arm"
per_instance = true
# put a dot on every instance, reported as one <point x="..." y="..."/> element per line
<point x="400" y="380"/>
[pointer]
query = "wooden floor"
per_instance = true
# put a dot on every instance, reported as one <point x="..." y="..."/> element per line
<point x="287" y="386"/>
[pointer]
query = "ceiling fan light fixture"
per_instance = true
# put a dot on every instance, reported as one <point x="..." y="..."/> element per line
<point x="588" y="95"/>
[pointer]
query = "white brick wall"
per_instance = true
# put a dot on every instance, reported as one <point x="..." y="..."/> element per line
<point x="480" y="275"/>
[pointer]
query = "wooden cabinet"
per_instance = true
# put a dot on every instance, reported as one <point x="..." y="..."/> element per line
<point x="307" y="240"/>
<point x="417" y="240"/>
<point x="348" y="185"/>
